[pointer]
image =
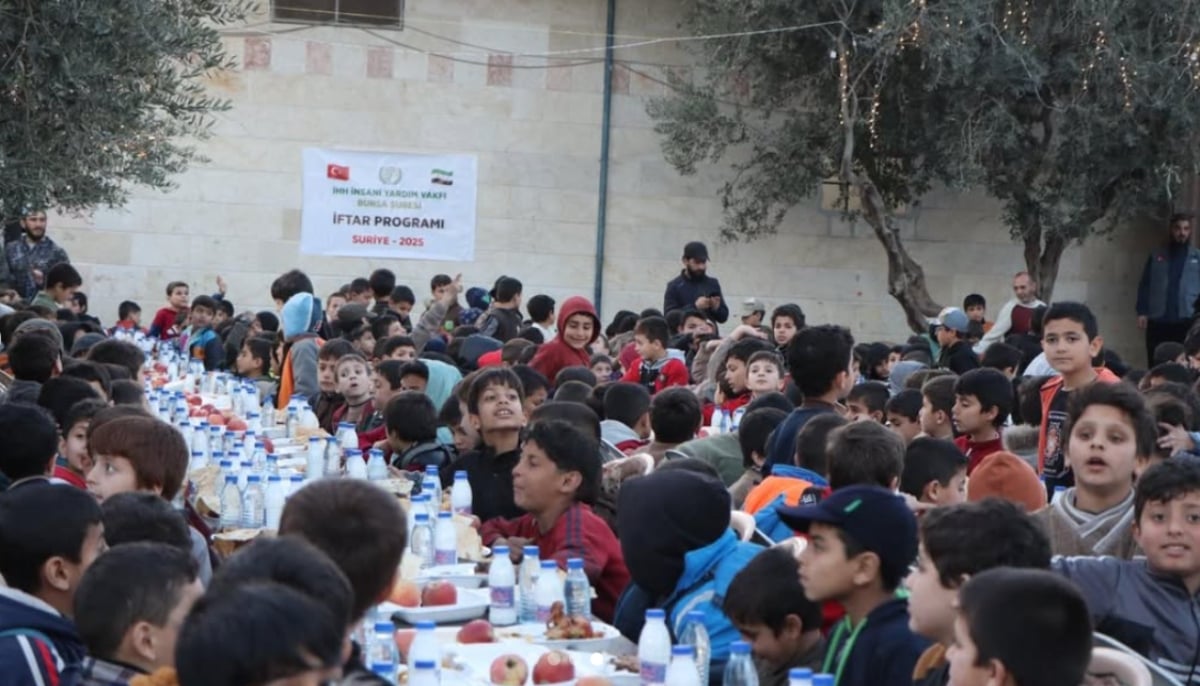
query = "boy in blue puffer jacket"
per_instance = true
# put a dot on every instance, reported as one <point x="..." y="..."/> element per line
<point x="681" y="555"/>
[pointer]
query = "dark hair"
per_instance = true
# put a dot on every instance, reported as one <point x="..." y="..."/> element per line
<point x="653" y="329"/>
<point x="1167" y="351"/>
<point x="126" y="392"/>
<point x="1191" y="344"/>
<point x="40" y="520"/>
<point x="571" y="450"/>
<point x="506" y="289"/>
<point x="578" y="415"/>
<point x="755" y="429"/>
<point x="774" y="399"/>
<point x="140" y="517"/>
<point x="767" y="591"/>
<point x="137" y="582"/>
<point x="789" y="310"/>
<point x="573" y="392"/>
<point x="816" y="355"/>
<point x="1185" y="396"/>
<point x="378" y="327"/>
<point x="973" y="300"/>
<point x="531" y="379"/>
<point x="1001" y="356"/>
<point x="1122" y="397"/>
<point x="63" y="274"/>
<point x="156" y="451"/>
<point x="906" y="403"/>
<point x="575" y="373"/>
<point x="382" y="282"/>
<point x="514" y="349"/>
<point x="492" y="376"/>
<point x="390" y="345"/>
<point x="1030" y="399"/>
<point x="262" y="631"/>
<point x="359" y="286"/>
<point x="930" y="459"/>
<point x="90" y="372"/>
<point x="60" y="394"/>
<point x="874" y="395"/>
<point x="261" y="348"/>
<point x="864" y="453"/>
<point x="116" y="372"/>
<point x="744" y="349"/>
<point x="599" y="358"/>
<point x="403" y="294"/>
<point x="623" y="322"/>
<point x="675" y="416"/>
<point x="596" y="398"/>
<point x="268" y="321"/>
<point x="540" y="307"/>
<point x="969" y="538"/>
<point x="289" y="284"/>
<point x="412" y="417"/>
<point x="126" y="308"/>
<point x="33" y="356"/>
<point x="223" y="305"/>
<point x="82" y="411"/>
<point x="1076" y="312"/>
<point x="533" y="335"/>
<point x="767" y="356"/>
<point x="812" y="442"/>
<point x="30" y="440"/>
<point x="204" y="301"/>
<point x="1034" y="622"/>
<point x="1166" y="481"/>
<point x="991" y="388"/>
<point x="123" y="353"/>
<point x="439" y="281"/>
<point x="176" y="284"/>
<point x="626" y="403"/>
<point x="1172" y="371"/>
<point x="336" y="349"/>
<point x="940" y="392"/>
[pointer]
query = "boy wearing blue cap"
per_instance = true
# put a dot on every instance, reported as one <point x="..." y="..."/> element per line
<point x="951" y="332"/>
<point x="861" y="541"/>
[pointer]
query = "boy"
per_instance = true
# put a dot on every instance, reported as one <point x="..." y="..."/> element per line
<point x="254" y="363"/>
<point x="976" y="308"/>
<point x="74" y="460"/>
<point x="937" y="407"/>
<point x="62" y="280"/>
<point x="956" y="543"/>
<point x="30" y="439"/>
<point x="951" y="331"/>
<point x="865" y="453"/>
<point x="867" y="401"/>
<point x="541" y="313"/>
<point x="752" y="434"/>
<point x="354" y="385"/>
<point x="1021" y="627"/>
<point x="656" y="370"/>
<point x="359" y="292"/>
<point x="50" y="535"/>
<point x="129" y="609"/>
<point x="502" y="321"/>
<point x="821" y="362"/>
<point x="983" y="399"/>
<point x="400" y="348"/>
<point x="861" y="540"/>
<point x="803" y="479"/>
<point x="411" y="425"/>
<point x="363" y="340"/>
<point x="333" y="303"/>
<point x="935" y="472"/>
<point x="414" y="376"/>
<point x="328" y="400"/>
<point x="140" y="453"/>
<point x="627" y="408"/>
<point x="1003" y="357"/>
<point x="764" y="374"/>
<point x="766" y="603"/>
<point x="382" y="282"/>
<point x="144" y="518"/>
<point x="199" y="340"/>
<point x="1070" y="339"/>
<point x="578" y="328"/>
<point x="165" y="325"/>
<point x="732" y="378"/>
<point x="34" y="358"/>
<point x="1110" y="429"/>
<point x="494" y="412"/>
<point x="903" y="412"/>
<point x="555" y="483"/>
<point x="129" y="318"/>
<point x="401" y="303"/>
<point x="122" y="353"/>
<point x="536" y="387"/>
<point x="298" y="320"/>
<point x="1149" y="603"/>
<point x="675" y="418"/>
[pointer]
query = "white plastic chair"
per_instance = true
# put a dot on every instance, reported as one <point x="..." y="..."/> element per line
<point x="1157" y="675"/>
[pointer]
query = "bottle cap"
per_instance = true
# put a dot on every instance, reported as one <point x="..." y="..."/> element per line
<point x="445" y="515"/>
<point x="797" y="673"/>
<point x="315" y="439"/>
<point x="253" y="479"/>
<point x="741" y="648"/>
<point x="656" y="613"/>
<point x="460" y="475"/>
<point x="425" y="625"/>
<point x="274" y="478"/>
<point x="424" y="664"/>
<point x="531" y="551"/>
<point x="230" y="478"/>
<point x="296" y="478"/>
<point x="824" y="680"/>
<point x="197" y="453"/>
<point x="423" y="517"/>
<point x="431" y="469"/>
<point x="384" y="627"/>
<point x="499" y="552"/>
<point x="683" y="651"/>
<point x="217" y="455"/>
<point x="549" y="564"/>
<point x="342" y="425"/>
<point x="575" y="563"/>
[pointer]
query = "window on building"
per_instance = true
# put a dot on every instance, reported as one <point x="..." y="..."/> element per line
<point x="387" y="13"/>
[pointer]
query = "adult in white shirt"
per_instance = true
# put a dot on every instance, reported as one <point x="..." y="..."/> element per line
<point x="1016" y="317"/>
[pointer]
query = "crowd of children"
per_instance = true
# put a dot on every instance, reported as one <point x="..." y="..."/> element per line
<point x="943" y="511"/>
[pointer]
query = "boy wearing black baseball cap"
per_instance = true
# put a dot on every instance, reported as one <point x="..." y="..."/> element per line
<point x="861" y="541"/>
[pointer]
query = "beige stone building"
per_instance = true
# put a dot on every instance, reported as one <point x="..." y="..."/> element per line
<point x="519" y="83"/>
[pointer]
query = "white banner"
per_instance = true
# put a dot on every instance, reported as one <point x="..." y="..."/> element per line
<point x="374" y="204"/>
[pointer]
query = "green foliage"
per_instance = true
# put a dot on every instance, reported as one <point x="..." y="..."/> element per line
<point x="97" y="95"/>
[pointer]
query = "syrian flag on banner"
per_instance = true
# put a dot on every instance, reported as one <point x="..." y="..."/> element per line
<point x="337" y="172"/>
<point x="442" y="177"/>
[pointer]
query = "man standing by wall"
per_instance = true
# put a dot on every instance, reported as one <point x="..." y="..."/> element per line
<point x="32" y="255"/>
<point x="1169" y="287"/>
<point x="694" y="287"/>
<point x="1016" y="317"/>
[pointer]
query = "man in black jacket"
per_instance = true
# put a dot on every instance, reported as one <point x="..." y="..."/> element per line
<point x="694" y="288"/>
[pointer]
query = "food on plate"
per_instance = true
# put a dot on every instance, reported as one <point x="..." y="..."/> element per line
<point x="627" y="663"/>
<point x="438" y="593"/>
<point x="405" y="594"/>
<point x="227" y="542"/>
<point x="216" y="419"/>
<point x="477" y="631"/>
<point x="468" y="541"/>
<point x="236" y="423"/>
<point x="562" y="627"/>
<point x="553" y="668"/>
<point x="509" y="670"/>
<point x="404" y="639"/>
<point x="593" y="681"/>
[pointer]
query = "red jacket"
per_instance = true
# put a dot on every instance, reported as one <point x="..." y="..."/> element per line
<point x="1048" y="390"/>
<point x="556" y="355"/>
<point x="660" y="375"/>
<point x="579" y="532"/>
<point x="976" y="452"/>
<point x="729" y="406"/>
<point x="163" y="327"/>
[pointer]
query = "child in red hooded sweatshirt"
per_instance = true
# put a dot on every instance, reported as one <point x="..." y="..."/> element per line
<point x="578" y="327"/>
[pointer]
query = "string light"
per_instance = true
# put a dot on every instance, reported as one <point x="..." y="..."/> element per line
<point x="873" y="118"/>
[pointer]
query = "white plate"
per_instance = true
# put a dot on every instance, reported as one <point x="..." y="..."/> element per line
<point x="477" y="659"/>
<point x="536" y="633"/>
<point x="472" y="604"/>
<point x="461" y="575"/>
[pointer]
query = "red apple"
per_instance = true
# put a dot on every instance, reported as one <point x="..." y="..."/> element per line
<point x="553" y="668"/>
<point x="195" y="400"/>
<point x="269" y="445"/>
<point x="439" y="593"/>
<point x="405" y="594"/>
<point x="236" y="423"/>
<point x="593" y="681"/>
<point x="477" y="631"/>
<point x="404" y="639"/>
<point x="509" y="670"/>
<point x="216" y="419"/>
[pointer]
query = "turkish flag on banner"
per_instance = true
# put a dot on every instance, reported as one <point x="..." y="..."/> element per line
<point x="337" y="172"/>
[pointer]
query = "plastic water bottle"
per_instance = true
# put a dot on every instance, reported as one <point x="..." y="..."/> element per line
<point x="800" y="676"/>
<point x="245" y="469"/>
<point x="422" y="540"/>
<point x="445" y="540"/>
<point x="316" y="458"/>
<point x="740" y="670"/>
<point x="502" y="584"/>
<point x="333" y="459"/>
<point x="654" y="649"/>
<point x="425" y="647"/>
<point x="682" y="671"/>
<point x="231" y="503"/>
<point x="696" y="635"/>
<point x="577" y="590"/>
<point x="185" y="430"/>
<point x="295" y="483"/>
<point x="424" y="673"/>
<point x="418" y="505"/>
<point x="736" y="420"/>
<point x="381" y="651"/>
<point x="274" y="502"/>
<point x="530" y="568"/>
<point x="549" y="590"/>
<point x="258" y="457"/>
<point x="347" y="437"/>
<point x="216" y="440"/>
<point x="824" y="680"/>
<point x="431" y="483"/>
<point x="376" y="467"/>
<point x="272" y="465"/>
<point x="355" y="467"/>
<point x="292" y="423"/>
<point x="199" y="460"/>
<point x="460" y="494"/>
<point x="200" y="439"/>
<point x="253" y="503"/>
